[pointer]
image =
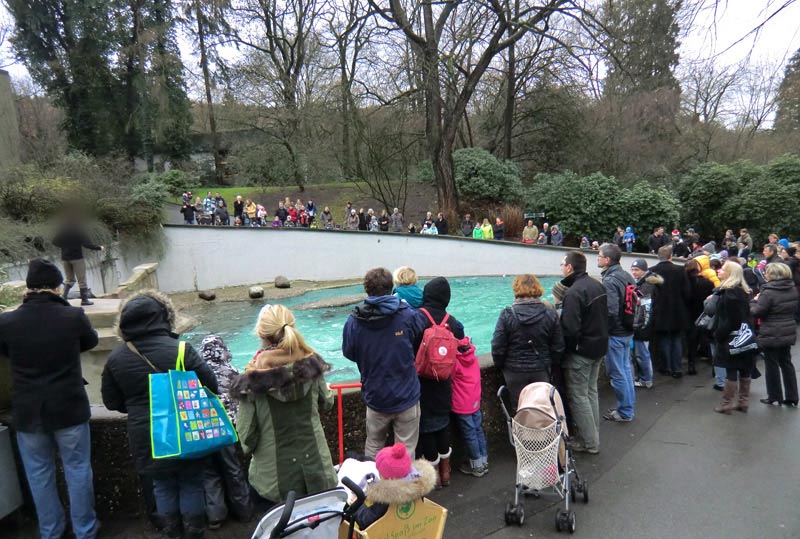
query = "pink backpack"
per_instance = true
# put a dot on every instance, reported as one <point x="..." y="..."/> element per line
<point x="436" y="356"/>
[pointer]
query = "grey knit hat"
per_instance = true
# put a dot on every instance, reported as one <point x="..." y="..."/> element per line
<point x="559" y="291"/>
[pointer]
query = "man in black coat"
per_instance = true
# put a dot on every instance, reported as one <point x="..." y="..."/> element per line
<point x="657" y="240"/>
<point x="671" y="313"/>
<point x="43" y="340"/>
<point x="72" y="239"/>
<point x="584" y="322"/>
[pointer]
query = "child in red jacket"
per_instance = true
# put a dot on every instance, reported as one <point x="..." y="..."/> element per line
<point x="466" y="383"/>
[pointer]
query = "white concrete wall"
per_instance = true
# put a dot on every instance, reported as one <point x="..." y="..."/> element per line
<point x="200" y="258"/>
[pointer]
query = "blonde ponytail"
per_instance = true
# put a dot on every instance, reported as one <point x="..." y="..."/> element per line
<point x="275" y="326"/>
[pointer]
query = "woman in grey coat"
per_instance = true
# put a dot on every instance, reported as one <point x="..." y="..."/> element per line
<point x="775" y="307"/>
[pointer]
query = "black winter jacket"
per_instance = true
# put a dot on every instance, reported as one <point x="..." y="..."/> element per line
<point x="527" y="338"/>
<point x="699" y="289"/>
<point x="441" y="226"/>
<point x="733" y="308"/>
<point x="147" y="323"/>
<point x="43" y="338"/>
<point x="616" y="279"/>
<point x="436" y="396"/>
<point x="71" y="240"/>
<point x="776" y="306"/>
<point x="584" y="316"/>
<point x="672" y="314"/>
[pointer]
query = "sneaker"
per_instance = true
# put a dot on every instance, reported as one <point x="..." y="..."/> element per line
<point x="613" y="415"/>
<point x="467" y="468"/>
<point x="718" y="388"/>
<point x="642" y="383"/>
<point x="580" y="448"/>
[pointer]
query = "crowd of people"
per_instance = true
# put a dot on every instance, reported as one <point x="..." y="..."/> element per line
<point x="715" y="306"/>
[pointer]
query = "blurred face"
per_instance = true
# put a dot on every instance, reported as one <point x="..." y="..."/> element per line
<point x="429" y="215"/>
<point x="530" y="223"/>
<point x="722" y="274"/>
<point x="602" y="261"/>
<point x="784" y="254"/>
<point x="637" y="273"/>
<point x="566" y="269"/>
<point x="773" y="238"/>
<point x="767" y="252"/>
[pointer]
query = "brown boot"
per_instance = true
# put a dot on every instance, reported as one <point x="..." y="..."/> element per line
<point x="444" y="468"/>
<point x="726" y="405"/>
<point x="744" y="395"/>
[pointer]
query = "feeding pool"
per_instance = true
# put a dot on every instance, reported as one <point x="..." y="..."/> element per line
<point x="475" y="301"/>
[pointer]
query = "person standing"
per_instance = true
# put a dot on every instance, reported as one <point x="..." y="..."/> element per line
<point x="467" y="225"/>
<point x="487" y="230"/>
<point x="530" y="233"/>
<point x="49" y="405"/>
<point x="620" y="334"/>
<point x="72" y="239"/>
<point x="499" y="229"/>
<point x="311" y="208"/>
<point x="352" y="222"/>
<point x="363" y="223"/>
<point x="381" y="336"/>
<point x="699" y="289"/>
<point x="584" y="323"/>
<point x="238" y="209"/>
<point x="146" y="327"/>
<point x="672" y="313"/>
<point x="776" y="305"/>
<point x="397" y="220"/>
<point x="648" y="288"/>
<point x="383" y="222"/>
<point x="441" y="224"/>
<point x="744" y="237"/>
<point x="556" y="236"/>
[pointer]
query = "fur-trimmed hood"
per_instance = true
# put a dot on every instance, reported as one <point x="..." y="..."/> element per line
<point x="286" y="383"/>
<point x="397" y="491"/>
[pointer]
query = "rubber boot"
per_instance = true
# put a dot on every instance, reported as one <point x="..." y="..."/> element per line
<point x="194" y="526"/>
<point x="444" y="468"/>
<point x="744" y="395"/>
<point x="169" y="525"/>
<point x="85" y="297"/>
<point x="65" y="295"/>
<point x="726" y="405"/>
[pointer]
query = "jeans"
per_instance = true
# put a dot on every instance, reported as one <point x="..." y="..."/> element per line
<point x="581" y="375"/>
<point x="38" y="452"/>
<point x="643" y="361"/>
<point x="180" y="492"/>
<point x="777" y="362"/>
<point x="618" y="367"/>
<point x="472" y="432"/>
<point x="405" y="425"/>
<point x="671" y="346"/>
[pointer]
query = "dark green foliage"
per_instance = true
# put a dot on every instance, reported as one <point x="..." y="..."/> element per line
<point x="481" y="177"/>
<point x="787" y="118"/>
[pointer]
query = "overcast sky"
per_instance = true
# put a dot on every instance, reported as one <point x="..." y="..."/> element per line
<point x="715" y="32"/>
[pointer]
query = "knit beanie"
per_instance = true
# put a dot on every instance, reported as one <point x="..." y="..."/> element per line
<point x="559" y="291"/>
<point x="393" y="462"/>
<point x="710" y="247"/>
<point x="783" y="242"/>
<point x="640" y="263"/>
<point x="43" y="274"/>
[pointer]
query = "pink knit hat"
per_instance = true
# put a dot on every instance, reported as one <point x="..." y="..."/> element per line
<point x="393" y="462"/>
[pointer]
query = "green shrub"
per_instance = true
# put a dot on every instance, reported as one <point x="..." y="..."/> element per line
<point x="481" y="177"/>
<point x="176" y="181"/>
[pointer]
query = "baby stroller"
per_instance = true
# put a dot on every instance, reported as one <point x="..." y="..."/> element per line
<point x="319" y="515"/>
<point x="538" y="431"/>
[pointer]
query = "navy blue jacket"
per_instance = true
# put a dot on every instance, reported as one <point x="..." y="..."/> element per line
<point x="380" y="337"/>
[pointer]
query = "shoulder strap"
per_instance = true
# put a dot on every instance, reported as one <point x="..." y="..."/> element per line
<point x="445" y="319"/>
<point x="133" y="349"/>
<point x="179" y="366"/>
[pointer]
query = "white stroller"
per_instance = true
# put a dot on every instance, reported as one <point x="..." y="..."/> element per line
<point x="538" y="431"/>
<point x="318" y="515"/>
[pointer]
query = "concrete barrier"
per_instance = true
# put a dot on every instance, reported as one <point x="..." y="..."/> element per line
<point x="199" y="258"/>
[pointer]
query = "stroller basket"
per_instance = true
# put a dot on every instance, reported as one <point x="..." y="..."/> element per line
<point x="537" y="455"/>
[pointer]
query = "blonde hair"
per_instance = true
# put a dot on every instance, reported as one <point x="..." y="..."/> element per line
<point x="777" y="271"/>
<point x="404" y="276"/>
<point x="485" y="221"/>
<point x="275" y="325"/>
<point x="735" y="276"/>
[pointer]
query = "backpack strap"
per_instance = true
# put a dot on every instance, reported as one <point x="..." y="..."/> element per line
<point x="433" y="322"/>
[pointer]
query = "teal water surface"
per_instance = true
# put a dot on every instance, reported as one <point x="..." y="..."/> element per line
<point x="475" y="301"/>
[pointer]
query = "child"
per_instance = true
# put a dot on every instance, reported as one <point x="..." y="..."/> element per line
<point x="400" y="482"/>
<point x="628" y="239"/>
<point x="276" y="223"/>
<point x="466" y="383"/>
<point x="585" y="243"/>
<point x="405" y="286"/>
<point x="477" y="232"/>
<point x="225" y="477"/>
<point x="542" y="239"/>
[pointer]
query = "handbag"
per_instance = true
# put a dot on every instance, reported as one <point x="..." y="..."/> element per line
<point x="704" y="322"/>
<point x="707" y="318"/>
<point x="742" y="340"/>
<point x="187" y="420"/>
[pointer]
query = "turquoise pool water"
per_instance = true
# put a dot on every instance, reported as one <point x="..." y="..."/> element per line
<point x="476" y="302"/>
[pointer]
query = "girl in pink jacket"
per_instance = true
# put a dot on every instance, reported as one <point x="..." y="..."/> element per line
<point x="466" y="383"/>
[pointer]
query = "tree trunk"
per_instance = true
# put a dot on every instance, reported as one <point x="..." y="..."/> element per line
<point x="219" y="172"/>
<point x="511" y="91"/>
<point x="347" y="166"/>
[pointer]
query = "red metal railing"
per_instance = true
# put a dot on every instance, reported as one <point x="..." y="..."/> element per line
<point x="338" y="388"/>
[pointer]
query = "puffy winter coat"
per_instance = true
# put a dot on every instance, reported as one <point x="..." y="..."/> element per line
<point x="279" y="426"/>
<point x="707" y="272"/>
<point x="776" y="307"/>
<point x="43" y="339"/>
<point x="381" y="336"/>
<point x="487" y="232"/>
<point x="733" y="308"/>
<point x="527" y="337"/>
<point x="147" y="322"/>
<point x="466" y="380"/>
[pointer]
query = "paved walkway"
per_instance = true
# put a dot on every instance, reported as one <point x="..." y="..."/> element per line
<point x="677" y="471"/>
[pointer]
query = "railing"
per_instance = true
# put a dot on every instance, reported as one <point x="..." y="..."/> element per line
<point x="338" y="388"/>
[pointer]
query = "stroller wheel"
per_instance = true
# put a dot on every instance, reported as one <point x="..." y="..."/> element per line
<point x="560" y="520"/>
<point x="509" y="514"/>
<point x="520" y="514"/>
<point x="515" y="514"/>
<point x="585" y="490"/>
<point x="571" y="522"/>
<point x="572" y="493"/>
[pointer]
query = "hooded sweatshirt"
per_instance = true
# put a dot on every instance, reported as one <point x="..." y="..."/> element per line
<point x="706" y="271"/>
<point x="381" y="336"/>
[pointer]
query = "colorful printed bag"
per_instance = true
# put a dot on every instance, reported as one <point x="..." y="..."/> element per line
<point x="187" y="421"/>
